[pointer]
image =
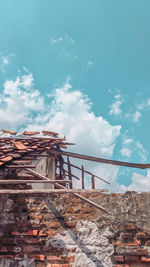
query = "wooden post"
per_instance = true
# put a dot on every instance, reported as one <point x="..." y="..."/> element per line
<point x="60" y="169"/>
<point x="63" y="170"/>
<point x="93" y="182"/>
<point x="82" y="177"/>
<point x="69" y="172"/>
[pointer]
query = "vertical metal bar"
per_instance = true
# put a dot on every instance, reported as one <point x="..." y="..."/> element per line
<point x="93" y="182"/>
<point x="69" y="172"/>
<point x="82" y="177"/>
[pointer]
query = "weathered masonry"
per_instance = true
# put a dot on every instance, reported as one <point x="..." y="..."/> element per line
<point x="57" y="230"/>
<point x="46" y="222"/>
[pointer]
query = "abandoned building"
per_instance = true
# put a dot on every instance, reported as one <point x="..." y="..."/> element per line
<point x="46" y="222"/>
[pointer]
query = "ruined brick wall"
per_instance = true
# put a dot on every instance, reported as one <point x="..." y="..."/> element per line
<point x="62" y="231"/>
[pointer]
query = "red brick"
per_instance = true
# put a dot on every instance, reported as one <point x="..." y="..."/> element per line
<point x="31" y="232"/>
<point x="67" y="258"/>
<point x="31" y="249"/>
<point x="119" y="243"/>
<point x="142" y="235"/>
<point x="54" y="265"/>
<point x="47" y="233"/>
<point x="130" y="259"/>
<point x="53" y="258"/>
<point x="131" y="251"/>
<point x="126" y="237"/>
<point x="37" y="257"/>
<point x="60" y="258"/>
<point x="143" y="259"/>
<point x="6" y="257"/>
<point x="31" y="240"/>
<point x="140" y="251"/>
<point x="54" y="225"/>
<point x="135" y="243"/>
<point x="4" y="249"/>
<point x="70" y="224"/>
<point x="121" y="265"/>
<point x="119" y="259"/>
<point x="130" y="226"/>
<point x="147" y="243"/>
<point x="41" y="233"/>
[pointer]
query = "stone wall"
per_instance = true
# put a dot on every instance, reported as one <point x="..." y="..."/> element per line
<point x="62" y="231"/>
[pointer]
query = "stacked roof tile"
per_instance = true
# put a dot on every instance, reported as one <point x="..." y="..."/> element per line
<point x="14" y="145"/>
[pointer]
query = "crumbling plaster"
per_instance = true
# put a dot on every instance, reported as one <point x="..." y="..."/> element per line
<point x="67" y="226"/>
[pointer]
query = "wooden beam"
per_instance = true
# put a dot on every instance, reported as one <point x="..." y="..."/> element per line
<point x="87" y="200"/>
<point x="33" y="181"/>
<point x="77" y="195"/>
<point x="25" y="176"/>
<point x="69" y="172"/>
<point x="21" y="162"/>
<point x="101" y="160"/>
<point x="37" y="155"/>
<point x="82" y="177"/>
<point x="47" y="191"/>
<point x="93" y="182"/>
<point x="20" y="166"/>
<point x="37" y="174"/>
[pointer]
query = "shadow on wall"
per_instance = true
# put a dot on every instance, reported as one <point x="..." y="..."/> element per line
<point x="76" y="241"/>
<point x="14" y="218"/>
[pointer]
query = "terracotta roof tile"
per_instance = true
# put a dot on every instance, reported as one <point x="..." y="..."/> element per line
<point x="8" y="158"/>
<point x="30" y="133"/>
<point x="50" y="133"/>
<point x="7" y="131"/>
<point x="19" y="145"/>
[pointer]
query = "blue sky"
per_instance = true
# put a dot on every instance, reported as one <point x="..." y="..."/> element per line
<point x="81" y="68"/>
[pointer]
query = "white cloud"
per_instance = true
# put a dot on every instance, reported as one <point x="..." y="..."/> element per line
<point x="17" y="102"/>
<point x="145" y="104"/>
<point x="141" y="151"/>
<point x="68" y="112"/>
<point x="127" y="141"/>
<point x="136" y="116"/>
<point x="125" y="151"/>
<point x="4" y="61"/>
<point x="56" y="40"/>
<point x="60" y="39"/>
<point x="115" y="107"/>
<point x="89" y="65"/>
<point x="140" y="183"/>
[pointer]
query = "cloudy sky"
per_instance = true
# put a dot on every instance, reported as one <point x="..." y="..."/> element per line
<point x="81" y="68"/>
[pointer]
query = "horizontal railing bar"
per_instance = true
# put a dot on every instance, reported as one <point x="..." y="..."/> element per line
<point x="33" y="181"/>
<point x="74" y="166"/>
<point x="49" y="191"/>
<point x="71" y="173"/>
